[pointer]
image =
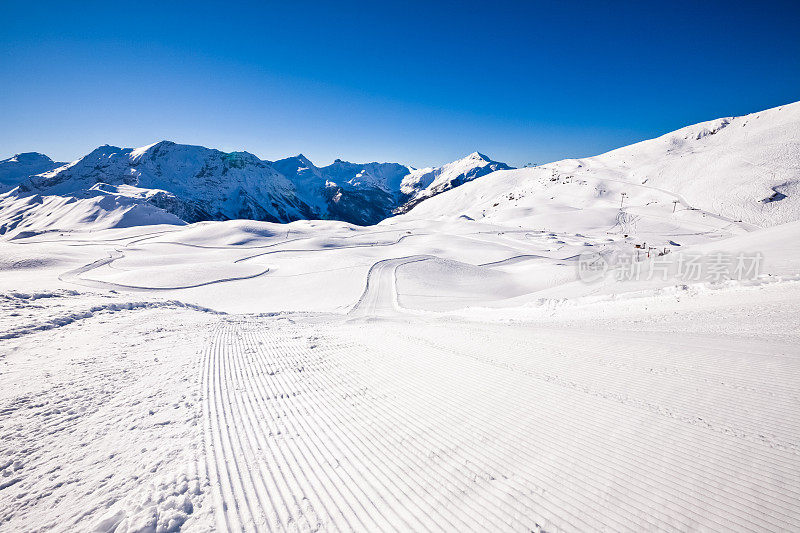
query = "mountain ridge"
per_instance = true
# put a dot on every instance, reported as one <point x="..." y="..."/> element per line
<point x="745" y="169"/>
<point x="195" y="183"/>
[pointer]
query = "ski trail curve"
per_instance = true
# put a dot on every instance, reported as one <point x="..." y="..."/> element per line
<point x="380" y="292"/>
<point x="363" y="245"/>
<point x="74" y="277"/>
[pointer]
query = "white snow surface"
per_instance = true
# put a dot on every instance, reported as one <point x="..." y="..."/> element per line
<point x="449" y="369"/>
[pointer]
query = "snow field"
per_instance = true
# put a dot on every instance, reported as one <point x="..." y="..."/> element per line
<point x="445" y="370"/>
<point x="100" y="420"/>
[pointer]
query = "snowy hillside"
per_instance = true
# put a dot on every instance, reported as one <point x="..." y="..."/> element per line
<point x="102" y="206"/>
<point x="744" y="169"/>
<point x="415" y="375"/>
<point x="15" y="169"/>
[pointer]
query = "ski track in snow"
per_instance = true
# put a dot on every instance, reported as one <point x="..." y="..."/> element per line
<point x="74" y="276"/>
<point x="309" y="428"/>
<point x="380" y="291"/>
<point x="364" y="245"/>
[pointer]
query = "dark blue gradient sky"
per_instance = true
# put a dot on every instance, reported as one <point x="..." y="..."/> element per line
<point x="417" y="82"/>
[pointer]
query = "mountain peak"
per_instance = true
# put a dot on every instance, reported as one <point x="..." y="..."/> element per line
<point x="291" y="166"/>
<point x="304" y="160"/>
<point x="106" y="151"/>
<point x="31" y="156"/>
<point x="16" y="169"/>
<point x="477" y="155"/>
<point x="163" y="146"/>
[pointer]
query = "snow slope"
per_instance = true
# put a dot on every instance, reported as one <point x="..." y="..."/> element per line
<point x="744" y="168"/>
<point x="99" y="207"/>
<point x="405" y="376"/>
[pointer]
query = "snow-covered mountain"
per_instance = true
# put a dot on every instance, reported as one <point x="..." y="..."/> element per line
<point x="167" y="182"/>
<point x="744" y="169"/>
<point x="358" y="193"/>
<point x="192" y="182"/>
<point x="369" y="192"/>
<point x="424" y="183"/>
<point x="15" y="169"/>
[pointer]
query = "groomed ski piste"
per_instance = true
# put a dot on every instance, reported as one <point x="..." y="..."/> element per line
<point x="465" y="366"/>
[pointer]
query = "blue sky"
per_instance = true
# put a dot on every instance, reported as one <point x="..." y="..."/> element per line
<point x="412" y="82"/>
